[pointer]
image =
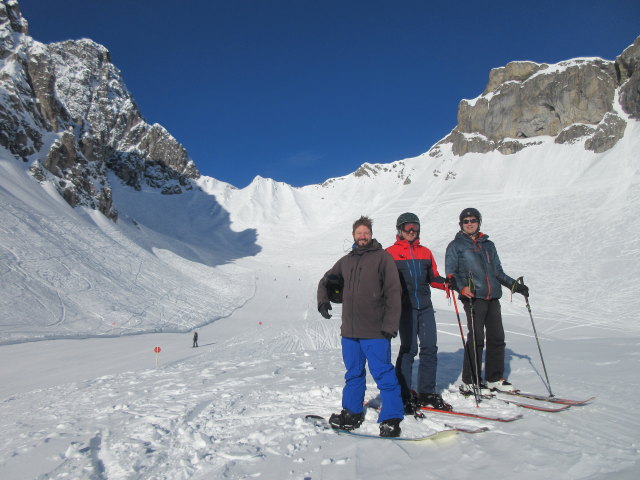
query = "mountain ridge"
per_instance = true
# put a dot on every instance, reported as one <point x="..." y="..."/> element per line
<point x="72" y="90"/>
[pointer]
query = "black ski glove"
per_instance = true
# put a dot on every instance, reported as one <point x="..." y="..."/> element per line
<point x="452" y="283"/>
<point x="388" y="335"/>
<point x="324" y="308"/>
<point x="520" y="288"/>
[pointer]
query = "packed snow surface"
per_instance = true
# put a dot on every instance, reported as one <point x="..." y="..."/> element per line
<point x="85" y="301"/>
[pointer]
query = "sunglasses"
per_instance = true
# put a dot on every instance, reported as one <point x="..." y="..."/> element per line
<point x="471" y="220"/>
<point x="411" y="227"/>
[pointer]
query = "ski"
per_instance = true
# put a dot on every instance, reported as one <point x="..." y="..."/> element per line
<point x="322" y="423"/>
<point x="471" y="415"/>
<point x="546" y="398"/>
<point x="540" y="408"/>
<point x="467" y="429"/>
<point x="421" y="416"/>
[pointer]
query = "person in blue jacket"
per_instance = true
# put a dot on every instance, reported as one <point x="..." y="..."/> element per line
<point x="473" y="268"/>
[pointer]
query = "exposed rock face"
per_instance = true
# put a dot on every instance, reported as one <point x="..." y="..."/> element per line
<point x="371" y="170"/>
<point x="575" y="132"/>
<point x="628" y="68"/>
<point x="514" y="71"/>
<point x="607" y="133"/>
<point x="571" y="101"/>
<point x="65" y="109"/>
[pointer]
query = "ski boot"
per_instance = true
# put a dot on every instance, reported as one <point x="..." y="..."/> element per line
<point x="410" y="405"/>
<point x="346" y="420"/>
<point x="467" y="389"/>
<point x="501" y="386"/>
<point x="390" y="427"/>
<point x="433" y="400"/>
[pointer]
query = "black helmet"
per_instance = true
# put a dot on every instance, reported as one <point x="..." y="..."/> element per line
<point x="407" y="217"/>
<point x="334" y="284"/>
<point x="470" y="212"/>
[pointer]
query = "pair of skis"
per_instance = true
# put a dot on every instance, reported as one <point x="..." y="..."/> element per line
<point x="547" y="398"/>
<point x="468" y="415"/>
<point x="559" y="405"/>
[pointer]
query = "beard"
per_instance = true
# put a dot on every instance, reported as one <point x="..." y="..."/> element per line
<point x="363" y="242"/>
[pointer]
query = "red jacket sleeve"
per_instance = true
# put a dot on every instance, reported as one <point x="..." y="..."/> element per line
<point x="438" y="281"/>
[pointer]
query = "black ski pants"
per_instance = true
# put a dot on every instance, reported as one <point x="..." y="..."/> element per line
<point x="487" y="319"/>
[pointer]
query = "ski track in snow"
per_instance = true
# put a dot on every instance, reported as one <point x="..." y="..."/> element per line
<point x="234" y="408"/>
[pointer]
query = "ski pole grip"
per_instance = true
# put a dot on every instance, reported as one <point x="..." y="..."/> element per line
<point x="520" y="280"/>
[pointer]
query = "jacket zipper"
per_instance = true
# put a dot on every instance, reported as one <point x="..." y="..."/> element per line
<point x="356" y="283"/>
<point x="483" y="254"/>
<point x="414" y="274"/>
<point x="486" y="254"/>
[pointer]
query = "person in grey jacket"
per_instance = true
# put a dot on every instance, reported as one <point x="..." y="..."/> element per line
<point x="371" y="306"/>
<point x="473" y="268"/>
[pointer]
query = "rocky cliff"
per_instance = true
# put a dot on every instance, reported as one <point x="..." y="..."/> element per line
<point x="64" y="109"/>
<point x="584" y="99"/>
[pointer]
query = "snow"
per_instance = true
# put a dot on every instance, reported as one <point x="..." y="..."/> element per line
<point x="85" y="301"/>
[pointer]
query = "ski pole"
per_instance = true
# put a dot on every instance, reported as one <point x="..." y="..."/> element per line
<point x="526" y="299"/>
<point x="464" y="345"/>
<point x="475" y="341"/>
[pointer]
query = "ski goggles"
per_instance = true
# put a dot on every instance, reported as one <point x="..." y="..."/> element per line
<point x="470" y="220"/>
<point x="411" y="227"/>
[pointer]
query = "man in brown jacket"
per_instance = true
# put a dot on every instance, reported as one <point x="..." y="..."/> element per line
<point x="370" y="318"/>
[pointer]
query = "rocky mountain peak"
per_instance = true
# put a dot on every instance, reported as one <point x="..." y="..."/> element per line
<point x="512" y="72"/>
<point x="66" y="111"/>
<point x="572" y="101"/>
<point x="11" y="16"/>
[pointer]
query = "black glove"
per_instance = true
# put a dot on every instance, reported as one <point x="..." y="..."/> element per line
<point x="451" y="282"/>
<point x="324" y="308"/>
<point x="520" y="288"/>
<point x="388" y="335"/>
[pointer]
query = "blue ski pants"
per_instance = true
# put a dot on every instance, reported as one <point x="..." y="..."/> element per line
<point x="356" y="352"/>
<point x="417" y="326"/>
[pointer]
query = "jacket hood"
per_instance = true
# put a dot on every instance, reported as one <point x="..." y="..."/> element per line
<point x="481" y="236"/>
<point x="402" y="241"/>
<point x="373" y="245"/>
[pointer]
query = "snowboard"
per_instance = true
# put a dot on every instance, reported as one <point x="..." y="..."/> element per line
<point x="322" y="423"/>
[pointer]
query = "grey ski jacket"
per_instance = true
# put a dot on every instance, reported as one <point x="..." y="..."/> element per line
<point x="479" y="259"/>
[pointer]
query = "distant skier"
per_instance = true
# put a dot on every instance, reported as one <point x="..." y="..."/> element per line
<point x="474" y="269"/>
<point x="370" y="318"/>
<point x="195" y="339"/>
<point x="418" y="271"/>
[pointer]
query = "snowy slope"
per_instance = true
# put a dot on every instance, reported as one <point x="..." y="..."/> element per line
<point x="559" y="215"/>
<point x="72" y="272"/>
<point x="246" y="263"/>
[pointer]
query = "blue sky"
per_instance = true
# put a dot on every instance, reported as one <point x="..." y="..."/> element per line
<point x="301" y="90"/>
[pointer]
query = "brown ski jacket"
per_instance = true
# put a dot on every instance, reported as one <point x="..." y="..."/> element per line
<point x="371" y="299"/>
